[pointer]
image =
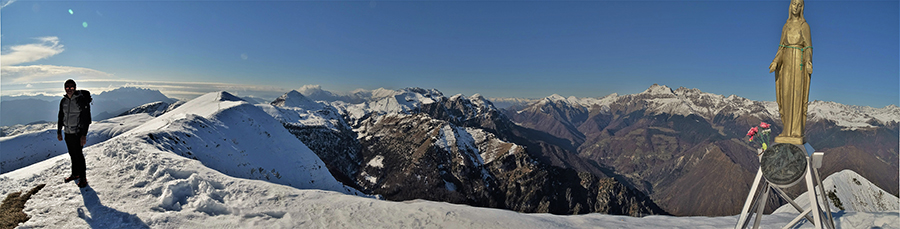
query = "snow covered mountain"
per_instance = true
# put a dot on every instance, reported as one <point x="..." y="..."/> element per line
<point x="189" y="168"/>
<point x="154" y="109"/>
<point x="848" y="191"/>
<point x="417" y="144"/>
<point x="322" y="128"/>
<point x="668" y="141"/>
<point x="683" y="101"/>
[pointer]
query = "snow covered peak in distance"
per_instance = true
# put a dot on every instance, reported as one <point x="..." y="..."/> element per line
<point x="295" y="99"/>
<point x="295" y="109"/>
<point x="555" y="98"/>
<point x="853" y="117"/>
<point x="503" y="103"/>
<point x="154" y="109"/>
<point x="480" y="101"/>
<point x="316" y="93"/>
<point x="683" y="101"/>
<point x="386" y="101"/>
<point x="848" y="191"/>
<point x="658" y="90"/>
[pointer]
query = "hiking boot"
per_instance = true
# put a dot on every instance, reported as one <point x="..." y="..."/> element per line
<point x="71" y="178"/>
<point x="82" y="183"/>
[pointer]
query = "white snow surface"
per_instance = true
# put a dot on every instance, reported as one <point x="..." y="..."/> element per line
<point x="377" y="161"/>
<point x="18" y="129"/>
<point x="155" y="189"/>
<point x="138" y="181"/>
<point x="27" y="148"/>
<point x="237" y="138"/>
<point x="855" y="192"/>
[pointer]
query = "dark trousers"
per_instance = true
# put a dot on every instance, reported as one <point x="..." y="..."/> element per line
<point x="73" y="142"/>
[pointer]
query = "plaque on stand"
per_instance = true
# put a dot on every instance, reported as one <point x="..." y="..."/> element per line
<point x="782" y="166"/>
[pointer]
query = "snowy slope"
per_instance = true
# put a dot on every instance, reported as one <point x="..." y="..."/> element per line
<point x="21" y="150"/>
<point x="237" y="138"/>
<point x="855" y="193"/>
<point x="9" y="131"/>
<point x="135" y="185"/>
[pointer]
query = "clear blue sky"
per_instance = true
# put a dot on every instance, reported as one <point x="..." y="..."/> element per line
<point x="496" y="48"/>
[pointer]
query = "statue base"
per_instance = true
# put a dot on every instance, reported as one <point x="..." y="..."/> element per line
<point x="790" y="140"/>
<point x="818" y="213"/>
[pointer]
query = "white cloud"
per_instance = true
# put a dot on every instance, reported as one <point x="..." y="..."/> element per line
<point x="5" y="3"/>
<point x="49" y="46"/>
<point x="45" y="48"/>
<point x="30" y="73"/>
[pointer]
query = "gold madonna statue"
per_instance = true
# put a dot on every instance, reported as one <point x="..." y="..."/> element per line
<point x="793" y="66"/>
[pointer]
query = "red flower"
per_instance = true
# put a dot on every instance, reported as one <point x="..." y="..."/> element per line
<point x="751" y="138"/>
<point x="752" y="131"/>
<point x="764" y="125"/>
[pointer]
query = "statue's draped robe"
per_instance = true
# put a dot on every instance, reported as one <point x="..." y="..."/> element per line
<point x="792" y="76"/>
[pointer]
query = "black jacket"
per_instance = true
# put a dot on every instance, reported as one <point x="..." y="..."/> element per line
<point x="75" y="113"/>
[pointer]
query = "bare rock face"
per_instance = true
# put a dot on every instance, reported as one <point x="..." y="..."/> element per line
<point x="419" y="157"/>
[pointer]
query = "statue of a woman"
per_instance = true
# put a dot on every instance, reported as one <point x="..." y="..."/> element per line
<point x="793" y="66"/>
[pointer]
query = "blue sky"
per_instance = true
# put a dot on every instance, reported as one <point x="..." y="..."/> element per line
<point x="526" y="49"/>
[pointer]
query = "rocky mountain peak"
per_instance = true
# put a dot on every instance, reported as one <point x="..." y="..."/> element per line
<point x="316" y="93"/>
<point x="658" y="90"/>
<point x="555" y="98"/>
<point x="293" y="99"/>
<point x="225" y="96"/>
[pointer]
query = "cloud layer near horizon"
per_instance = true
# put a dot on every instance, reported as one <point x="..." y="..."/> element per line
<point x="177" y="90"/>
<point x="45" y="47"/>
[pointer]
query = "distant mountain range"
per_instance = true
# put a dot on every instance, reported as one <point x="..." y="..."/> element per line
<point x="656" y="152"/>
<point x="681" y="146"/>
<point x="678" y="146"/>
<point x="29" y="109"/>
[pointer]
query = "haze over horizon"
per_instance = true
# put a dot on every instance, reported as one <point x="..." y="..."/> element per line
<point x="496" y="49"/>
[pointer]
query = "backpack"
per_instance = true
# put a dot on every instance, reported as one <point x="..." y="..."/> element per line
<point x="85" y="99"/>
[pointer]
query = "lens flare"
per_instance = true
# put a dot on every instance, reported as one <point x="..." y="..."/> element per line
<point x="71" y="12"/>
<point x="84" y="24"/>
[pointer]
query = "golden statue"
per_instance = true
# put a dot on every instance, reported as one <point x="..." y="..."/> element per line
<point x="793" y="66"/>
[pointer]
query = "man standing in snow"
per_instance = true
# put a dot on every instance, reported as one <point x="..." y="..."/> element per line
<point x="75" y="115"/>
